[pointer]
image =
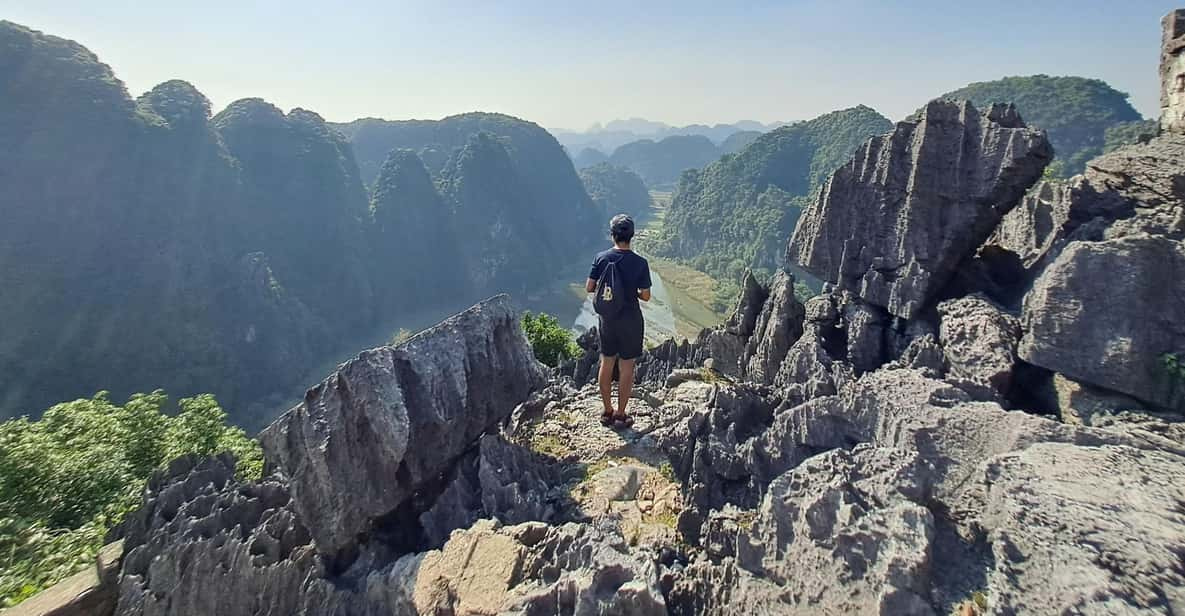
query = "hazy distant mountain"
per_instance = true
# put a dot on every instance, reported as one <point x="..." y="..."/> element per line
<point x="633" y="125"/>
<point x="738" y="140"/>
<point x="589" y="157"/>
<point x="612" y="135"/>
<point x="146" y="244"/>
<point x="660" y="163"/>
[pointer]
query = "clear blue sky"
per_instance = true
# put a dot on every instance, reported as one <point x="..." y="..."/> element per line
<point x="568" y="64"/>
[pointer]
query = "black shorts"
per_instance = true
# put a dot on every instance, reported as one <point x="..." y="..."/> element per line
<point x="622" y="335"/>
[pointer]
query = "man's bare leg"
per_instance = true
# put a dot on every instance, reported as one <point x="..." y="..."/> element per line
<point x="605" y="380"/>
<point x="625" y="385"/>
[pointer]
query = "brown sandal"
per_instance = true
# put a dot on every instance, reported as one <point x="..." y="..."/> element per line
<point x="607" y="419"/>
<point x="623" y="422"/>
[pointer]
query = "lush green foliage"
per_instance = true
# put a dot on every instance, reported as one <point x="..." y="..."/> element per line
<point x="738" y="212"/>
<point x="1126" y="133"/>
<point x="659" y="163"/>
<point x="550" y="341"/>
<point x="616" y="190"/>
<point x="1075" y="111"/>
<point x="68" y="477"/>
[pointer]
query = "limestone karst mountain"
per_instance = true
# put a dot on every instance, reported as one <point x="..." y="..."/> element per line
<point x="737" y="212"/>
<point x="975" y="416"/>
<point x="660" y="163"/>
<point x="146" y="244"/>
<point x="615" y="190"/>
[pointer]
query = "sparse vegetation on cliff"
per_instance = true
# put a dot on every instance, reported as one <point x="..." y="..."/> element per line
<point x="550" y="341"/>
<point x="70" y="476"/>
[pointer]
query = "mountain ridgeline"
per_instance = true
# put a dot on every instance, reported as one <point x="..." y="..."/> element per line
<point x="737" y="213"/>
<point x="659" y="163"/>
<point x="146" y="244"/>
<point x="1084" y="117"/>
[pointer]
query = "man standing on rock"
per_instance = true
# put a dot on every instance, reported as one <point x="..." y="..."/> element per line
<point x="620" y="278"/>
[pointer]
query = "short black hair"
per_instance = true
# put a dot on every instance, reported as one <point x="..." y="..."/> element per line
<point x="621" y="228"/>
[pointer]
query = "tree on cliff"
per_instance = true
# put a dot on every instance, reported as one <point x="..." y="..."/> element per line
<point x="68" y="477"/>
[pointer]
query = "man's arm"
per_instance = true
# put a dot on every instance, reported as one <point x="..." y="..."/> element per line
<point x="644" y="286"/>
<point x="590" y="286"/>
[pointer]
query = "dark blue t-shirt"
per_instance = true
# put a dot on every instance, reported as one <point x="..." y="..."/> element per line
<point x="633" y="269"/>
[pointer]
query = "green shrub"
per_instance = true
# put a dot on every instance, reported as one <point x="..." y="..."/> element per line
<point x="551" y="342"/>
<point x="67" y="478"/>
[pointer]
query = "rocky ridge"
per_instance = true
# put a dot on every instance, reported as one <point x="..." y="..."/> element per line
<point x="970" y="418"/>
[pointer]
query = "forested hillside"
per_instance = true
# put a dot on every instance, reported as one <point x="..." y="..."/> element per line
<point x="1075" y="111"/>
<point x="616" y="190"/>
<point x="146" y="244"/>
<point x="659" y="163"/>
<point x="737" y="141"/>
<point x="738" y="212"/>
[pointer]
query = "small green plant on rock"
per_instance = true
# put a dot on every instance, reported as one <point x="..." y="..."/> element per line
<point x="551" y="343"/>
<point x="745" y="520"/>
<point x="668" y="472"/>
<point x="974" y="605"/>
<point x="550" y="445"/>
<point x="400" y="336"/>
<point x="1173" y="368"/>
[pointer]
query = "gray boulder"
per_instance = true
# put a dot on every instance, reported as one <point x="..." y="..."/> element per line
<point x="865" y="325"/>
<point x="903" y="408"/>
<point x="1030" y="229"/>
<point x="979" y="342"/>
<point x="1092" y="530"/>
<point x="776" y="328"/>
<point x="846" y="533"/>
<point x="390" y="421"/>
<point x="726" y="345"/>
<point x="516" y="484"/>
<point x="893" y="223"/>
<point x="1107" y="313"/>
<point x="1139" y="189"/>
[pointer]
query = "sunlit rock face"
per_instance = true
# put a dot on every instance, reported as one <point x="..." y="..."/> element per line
<point x="1172" y="73"/>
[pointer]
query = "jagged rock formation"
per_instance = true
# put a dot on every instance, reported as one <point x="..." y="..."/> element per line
<point x="349" y="449"/>
<point x="979" y="340"/>
<point x="334" y="529"/>
<point x="922" y="197"/>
